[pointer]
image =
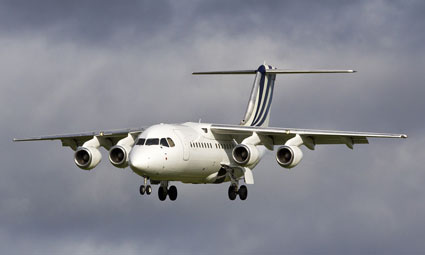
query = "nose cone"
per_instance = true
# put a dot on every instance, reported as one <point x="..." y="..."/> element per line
<point x="137" y="161"/>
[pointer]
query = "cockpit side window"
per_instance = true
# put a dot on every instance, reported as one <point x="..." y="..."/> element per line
<point x="163" y="142"/>
<point x="171" y="142"/>
<point x="141" y="141"/>
<point x="152" y="141"/>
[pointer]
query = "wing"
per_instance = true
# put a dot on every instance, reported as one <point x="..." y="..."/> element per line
<point x="78" y="139"/>
<point x="310" y="137"/>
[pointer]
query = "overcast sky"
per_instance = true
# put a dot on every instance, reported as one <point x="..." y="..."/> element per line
<point x="72" y="66"/>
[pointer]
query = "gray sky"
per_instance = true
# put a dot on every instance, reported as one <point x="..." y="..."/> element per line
<point x="71" y="66"/>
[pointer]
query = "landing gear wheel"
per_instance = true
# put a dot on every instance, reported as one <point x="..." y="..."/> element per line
<point x="172" y="193"/>
<point x="148" y="190"/>
<point x="233" y="192"/>
<point x="243" y="192"/>
<point x="162" y="193"/>
<point x="142" y="189"/>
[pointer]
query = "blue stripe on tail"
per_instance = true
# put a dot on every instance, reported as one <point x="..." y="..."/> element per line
<point x="263" y="104"/>
<point x="268" y="105"/>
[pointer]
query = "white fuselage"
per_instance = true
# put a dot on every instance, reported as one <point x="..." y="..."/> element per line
<point x="196" y="157"/>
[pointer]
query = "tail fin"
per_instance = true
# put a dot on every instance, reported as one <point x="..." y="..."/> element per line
<point x="258" y="109"/>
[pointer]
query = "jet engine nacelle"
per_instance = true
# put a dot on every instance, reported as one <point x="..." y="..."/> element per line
<point x="246" y="154"/>
<point x="87" y="158"/>
<point x="289" y="156"/>
<point x="118" y="155"/>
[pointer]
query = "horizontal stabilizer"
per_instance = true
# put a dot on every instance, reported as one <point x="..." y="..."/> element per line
<point x="275" y="71"/>
<point x="227" y="72"/>
<point x="286" y="71"/>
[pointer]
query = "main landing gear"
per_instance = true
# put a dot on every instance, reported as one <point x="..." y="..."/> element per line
<point x="234" y="192"/>
<point x="163" y="192"/>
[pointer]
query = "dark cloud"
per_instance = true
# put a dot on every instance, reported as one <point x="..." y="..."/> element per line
<point x="88" y="65"/>
<point x="92" y="21"/>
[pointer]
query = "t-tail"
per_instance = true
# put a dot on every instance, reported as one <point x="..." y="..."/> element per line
<point x="258" y="109"/>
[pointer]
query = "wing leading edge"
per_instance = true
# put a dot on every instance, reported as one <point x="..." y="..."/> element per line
<point x="280" y="136"/>
<point x="77" y="139"/>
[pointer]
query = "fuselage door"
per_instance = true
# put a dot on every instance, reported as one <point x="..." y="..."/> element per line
<point x="184" y="142"/>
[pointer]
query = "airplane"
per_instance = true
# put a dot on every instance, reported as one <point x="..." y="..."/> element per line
<point x="202" y="153"/>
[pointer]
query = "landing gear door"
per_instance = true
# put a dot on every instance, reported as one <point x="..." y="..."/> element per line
<point x="185" y="144"/>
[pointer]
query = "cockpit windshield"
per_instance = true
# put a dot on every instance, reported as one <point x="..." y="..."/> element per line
<point x="163" y="142"/>
<point x="141" y="141"/>
<point x="152" y="141"/>
<point x="166" y="142"/>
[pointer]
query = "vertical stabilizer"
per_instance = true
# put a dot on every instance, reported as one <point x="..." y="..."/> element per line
<point x="258" y="109"/>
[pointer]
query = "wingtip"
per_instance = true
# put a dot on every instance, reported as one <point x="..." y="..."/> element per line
<point x="403" y="136"/>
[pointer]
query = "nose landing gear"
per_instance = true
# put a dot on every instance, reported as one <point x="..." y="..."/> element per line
<point x="145" y="188"/>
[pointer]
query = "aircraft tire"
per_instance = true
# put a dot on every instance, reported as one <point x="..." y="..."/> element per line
<point x="162" y="193"/>
<point x="243" y="192"/>
<point x="148" y="190"/>
<point x="232" y="192"/>
<point x="172" y="193"/>
<point x="142" y="189"/>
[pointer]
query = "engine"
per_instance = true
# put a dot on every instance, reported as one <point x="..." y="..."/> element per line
<point x="118" y="155"/>
<point x="246" y="154"/>
<point x="87" y="158"/>
<point x="289" y="156"/>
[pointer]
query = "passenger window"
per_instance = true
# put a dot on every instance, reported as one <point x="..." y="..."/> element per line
<point x="163" y="142"/>
<point x="171" y="142"/>
<point x="152" y="141"/>
<point x="141" y="141"/>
